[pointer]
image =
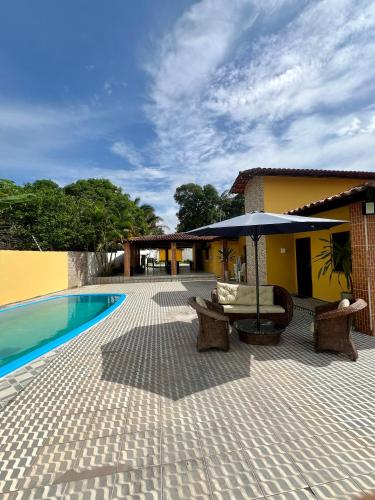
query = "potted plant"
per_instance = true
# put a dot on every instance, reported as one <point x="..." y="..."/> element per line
<point x="336" y="258"/>
<point x="225" y="255"/>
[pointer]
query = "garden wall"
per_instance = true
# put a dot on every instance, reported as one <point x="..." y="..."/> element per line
<point x="82" y="268"/>
<point x="28" y="274"/>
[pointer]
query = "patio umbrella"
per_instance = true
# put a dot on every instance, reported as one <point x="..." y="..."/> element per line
<point x="256" y="224"/>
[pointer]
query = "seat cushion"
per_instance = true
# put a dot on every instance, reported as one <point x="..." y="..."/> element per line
<point x="240" y="309"/>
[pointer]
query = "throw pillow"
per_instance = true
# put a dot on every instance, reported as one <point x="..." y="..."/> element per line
<point x="201" y="302"/>
<point x="344" y="303"/>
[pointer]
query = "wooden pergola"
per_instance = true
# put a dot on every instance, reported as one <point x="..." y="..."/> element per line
<point x="168" y="242"/>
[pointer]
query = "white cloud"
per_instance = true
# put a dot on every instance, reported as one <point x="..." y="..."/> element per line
<point x="128" y="152"/>
<point x="284" y="84"/>
<point x="108" y="87"/>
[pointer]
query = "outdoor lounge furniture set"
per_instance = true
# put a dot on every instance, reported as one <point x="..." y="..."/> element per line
<point x="234" y="304"/>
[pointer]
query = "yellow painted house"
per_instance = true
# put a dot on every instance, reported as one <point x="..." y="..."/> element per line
<point x="288" y="260"/>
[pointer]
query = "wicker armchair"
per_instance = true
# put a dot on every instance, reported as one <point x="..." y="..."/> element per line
<point x="213" y="326"/>
<point x="281" y="297"/>
<point x="333" y="328"/>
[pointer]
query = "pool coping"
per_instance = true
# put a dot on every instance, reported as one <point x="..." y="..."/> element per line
<point x="50" y="346"/>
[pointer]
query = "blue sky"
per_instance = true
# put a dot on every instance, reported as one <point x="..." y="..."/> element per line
<point x="153" y="94"/>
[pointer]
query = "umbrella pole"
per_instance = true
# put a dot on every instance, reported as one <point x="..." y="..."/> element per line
<point x="256" y="240"/>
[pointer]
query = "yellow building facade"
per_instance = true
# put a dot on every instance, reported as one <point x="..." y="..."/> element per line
<point x="286" y="193"/>
<point x="284" y="190"/>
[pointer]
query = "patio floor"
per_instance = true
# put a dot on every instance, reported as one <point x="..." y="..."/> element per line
<point x="131" y="410"/>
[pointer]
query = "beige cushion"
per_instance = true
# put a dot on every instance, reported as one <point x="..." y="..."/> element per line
<point x="344" y="303"/>
<point x="227" y="293"/>
<point x="246" y="295"/>
<point x="233" y="294"/>
<point x="201" y="302"/>
<point x="266" y="295"/>
<point x="240" y="309"/>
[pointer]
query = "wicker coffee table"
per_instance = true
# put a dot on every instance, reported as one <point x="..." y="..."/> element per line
<point x="247" y="330"/>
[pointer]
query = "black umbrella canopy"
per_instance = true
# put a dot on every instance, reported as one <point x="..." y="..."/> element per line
<point x="255" y="224"/>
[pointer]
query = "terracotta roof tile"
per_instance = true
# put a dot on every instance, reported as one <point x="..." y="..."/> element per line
<point x="172" y="237"/>
<point x="356" y="193"/>
<point x="244" y="176"/>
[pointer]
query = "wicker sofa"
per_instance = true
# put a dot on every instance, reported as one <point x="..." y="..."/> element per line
<point x="238" y="301"/>
<point x="333" y="327"/>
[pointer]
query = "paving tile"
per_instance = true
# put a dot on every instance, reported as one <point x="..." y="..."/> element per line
<point x="303" y="494"/>
<point x="185" y="480"/>
<point x="98" y="453"/>
<point x="41" y="493"/>
<point x="277" y="474"/>
<point x="142" y="482"/>
<point x="14" y="466"/>
<point x="231" y="471"/>
<point x="346" y="488"/>
<point x="326" y="475"/>
<point x="357" y="467"/>
<point x="366" y="482"/>
<point x="107" y="423"/>
<point x="283" y="484"/>
<point x="140" y="449"/>
<point x="243" y="493"/>
<point x="219" y="442"/>
<point x="51" y="463"/>
<point x="96" y="488"/>
<point x="177" y="447"/>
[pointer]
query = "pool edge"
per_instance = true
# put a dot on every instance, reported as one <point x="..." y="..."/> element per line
<point x="50" y="346"/>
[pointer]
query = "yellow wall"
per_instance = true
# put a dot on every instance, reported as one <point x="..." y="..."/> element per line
<point x="286" y="193"/>
<point x="281" y="266"/>
<point x="162" y="253"/>
<point x="28" y="274"/>
<point x="322" y="288"/>
<point x="213" y="264"/>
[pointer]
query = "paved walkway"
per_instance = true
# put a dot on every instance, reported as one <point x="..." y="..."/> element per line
<point x="131" y="410"/>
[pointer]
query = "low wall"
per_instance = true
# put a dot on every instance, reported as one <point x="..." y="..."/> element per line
<point x="82" y="268"/>
<point x="27" y="274"/>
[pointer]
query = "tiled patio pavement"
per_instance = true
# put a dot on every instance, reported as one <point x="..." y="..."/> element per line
<point x="131" y="410"/>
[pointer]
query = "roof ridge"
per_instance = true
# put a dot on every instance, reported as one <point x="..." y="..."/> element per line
<point x="245" y="175"/>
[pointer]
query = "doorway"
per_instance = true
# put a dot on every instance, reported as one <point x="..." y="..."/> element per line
<point x="303" y="263"/>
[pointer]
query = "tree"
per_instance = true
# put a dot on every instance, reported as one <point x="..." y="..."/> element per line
<point x="91" y="214"/>
<point x="231" y="205"/>
<point x="199" y="205"/>
<point x="202" y="205"/>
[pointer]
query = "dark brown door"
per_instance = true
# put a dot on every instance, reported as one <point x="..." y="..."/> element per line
<point x="198" y="259"/>
<point x="303" y="258"/>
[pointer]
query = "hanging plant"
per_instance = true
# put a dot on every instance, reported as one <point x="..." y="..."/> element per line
<point x="336" y="258"/>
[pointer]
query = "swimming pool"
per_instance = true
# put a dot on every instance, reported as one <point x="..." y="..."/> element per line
<point x="29" y="330"/>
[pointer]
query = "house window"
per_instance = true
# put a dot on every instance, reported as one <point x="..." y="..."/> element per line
<point x="339" y="242"/>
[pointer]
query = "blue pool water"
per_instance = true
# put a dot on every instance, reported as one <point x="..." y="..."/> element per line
<point x="29" y="330"/>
